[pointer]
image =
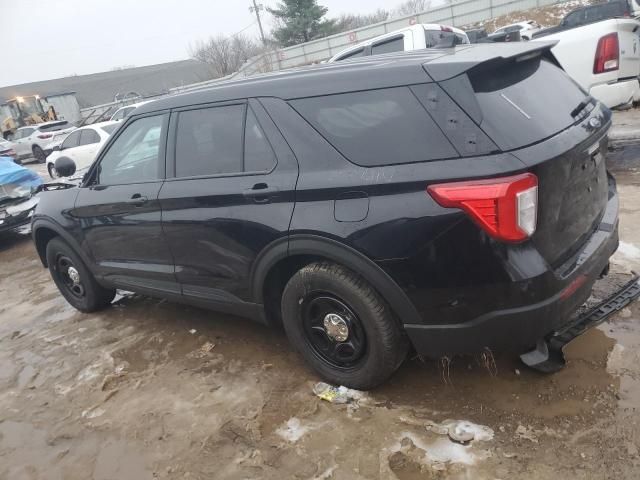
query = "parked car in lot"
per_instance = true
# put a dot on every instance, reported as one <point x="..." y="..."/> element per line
<point x="17" y="189"/>
<point x="32" y="140"/>
<point x="526" y="28"/>
<point x="56" y="141"/>
<point x="124" y="112"/>
<point x="82" y="145"/>
<point x="7" y="149"/>
<point x="415" y="37"/>
<point x="450" y="202"/>
<point x="603" y="57"/>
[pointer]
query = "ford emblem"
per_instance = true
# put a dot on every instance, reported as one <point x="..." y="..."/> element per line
<point x="595" y="122"/>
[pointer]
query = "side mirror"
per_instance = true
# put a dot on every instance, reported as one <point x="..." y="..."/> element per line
<point x="65" y="166"/>
<point x="57" y="148"/>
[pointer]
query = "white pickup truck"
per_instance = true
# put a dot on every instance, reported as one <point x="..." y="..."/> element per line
<point x="603" y="57"/>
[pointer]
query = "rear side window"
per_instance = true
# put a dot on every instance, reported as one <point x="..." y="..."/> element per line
<point x="258" y="154"/>
<point x="88" y="137"/>
<point x="392" y="45"/>
<point x="377" y="127"/>
<point x="213" y="141"/>
<point x="354" y="54"/>
<point x="525" y="102"/>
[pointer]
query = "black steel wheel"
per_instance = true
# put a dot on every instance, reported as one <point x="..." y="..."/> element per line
<point x="341" y="326"/>
<point x="69" y="276"/>
<point x="74" y="280"/>
<point x="333" y="331"/>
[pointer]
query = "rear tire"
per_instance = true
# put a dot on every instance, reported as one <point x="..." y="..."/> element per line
<point x="74" y="280"/>
<point x="39" y="154"/>
<point x="342" y="326"/>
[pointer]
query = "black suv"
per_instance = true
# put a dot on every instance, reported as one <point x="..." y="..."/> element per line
<point x="452" y="201"/>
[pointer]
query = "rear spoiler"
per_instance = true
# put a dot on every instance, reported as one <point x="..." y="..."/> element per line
<point x="466" y="58"/>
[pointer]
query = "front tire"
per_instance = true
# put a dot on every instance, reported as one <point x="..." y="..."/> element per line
<point x="53" y="173"/>
<point x="342" y="326"/>
<point x="74" y="280"/>
<point x="39" y="154"/>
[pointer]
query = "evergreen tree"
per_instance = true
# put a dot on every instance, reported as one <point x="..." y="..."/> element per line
<point x="300" y="21"/>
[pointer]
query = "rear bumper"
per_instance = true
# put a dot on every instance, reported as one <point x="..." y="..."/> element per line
<point x="518" y="329"/>
<point x="618" y="93"/>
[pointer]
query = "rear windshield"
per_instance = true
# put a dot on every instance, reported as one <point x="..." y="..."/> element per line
<point x="52" y="127"/>
<point x="525" y="102"/>
<point x="441" y="39"/>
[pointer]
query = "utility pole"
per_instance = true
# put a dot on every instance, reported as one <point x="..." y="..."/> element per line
<point x="256" y="8"/>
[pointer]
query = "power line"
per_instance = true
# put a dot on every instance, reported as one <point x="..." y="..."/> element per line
<point x="245" y="28"/>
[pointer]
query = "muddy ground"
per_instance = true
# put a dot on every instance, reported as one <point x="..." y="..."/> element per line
<point x="150" y="389"/>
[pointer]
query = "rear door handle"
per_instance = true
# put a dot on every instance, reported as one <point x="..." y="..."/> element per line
<point x="138" y="200"/>
<point x="260" y="193"/>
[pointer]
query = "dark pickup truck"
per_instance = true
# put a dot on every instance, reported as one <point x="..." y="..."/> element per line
<point x="590" y="14"/>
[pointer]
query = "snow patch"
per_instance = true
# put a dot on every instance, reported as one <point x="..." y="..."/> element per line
<point x="629" y="250"/>
<point x="293" y="430"/>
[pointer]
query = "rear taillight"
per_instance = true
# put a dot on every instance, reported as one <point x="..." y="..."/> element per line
<point x="506" y="208"/>
<point x="607" y="56"/>
<point x="44" y="136"/>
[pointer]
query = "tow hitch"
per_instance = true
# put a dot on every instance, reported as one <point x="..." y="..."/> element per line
<point x="548" y="357"/>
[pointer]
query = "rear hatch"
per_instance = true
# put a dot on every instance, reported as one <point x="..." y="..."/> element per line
<point x="530" y="107"/>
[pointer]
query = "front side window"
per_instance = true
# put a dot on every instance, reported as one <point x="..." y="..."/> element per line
<point x="134" y="156"/>
<point x="88" y="137"/>
<point x="73" y="140"/>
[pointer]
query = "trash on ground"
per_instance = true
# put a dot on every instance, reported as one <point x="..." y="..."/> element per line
<point x="192" y="331"/>
<point x="337" y="394"/>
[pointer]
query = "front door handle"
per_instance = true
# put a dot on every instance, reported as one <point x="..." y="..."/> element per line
<point x="137" y="200"/>
<point x="260" y="193"/>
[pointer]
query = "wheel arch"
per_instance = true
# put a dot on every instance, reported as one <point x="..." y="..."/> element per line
<point x="43" y="231"/>
<point x="283" y="258"/>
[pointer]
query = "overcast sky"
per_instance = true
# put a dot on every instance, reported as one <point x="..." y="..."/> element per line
<point x="46" y="39"/>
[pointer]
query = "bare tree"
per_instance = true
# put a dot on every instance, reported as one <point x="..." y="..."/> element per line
<point x="225" y="55"/>
<point x="349" y="21"/>
<point x="411" y="7"/>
